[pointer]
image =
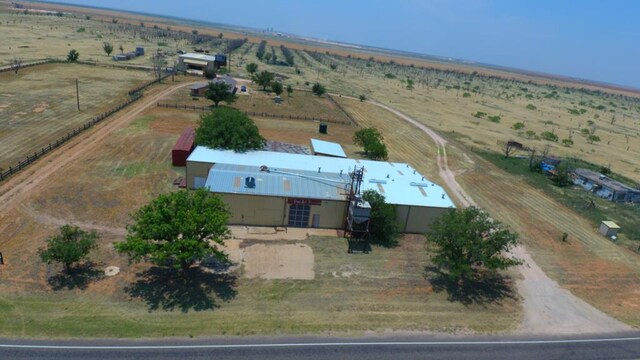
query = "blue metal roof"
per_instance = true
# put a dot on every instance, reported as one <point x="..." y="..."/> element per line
<point x="322" y="147"/>
<point x="232" y="179"/>
<point x="400" y="183"/>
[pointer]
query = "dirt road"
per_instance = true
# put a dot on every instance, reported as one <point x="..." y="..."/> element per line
<point x="548" y="308"/>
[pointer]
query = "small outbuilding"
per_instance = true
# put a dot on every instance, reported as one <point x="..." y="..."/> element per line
<point x="326" y="148"/>
<point x="183" y="147"/>
<point x="609" y="228"/>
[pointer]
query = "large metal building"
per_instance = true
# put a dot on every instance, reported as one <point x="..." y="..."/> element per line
<point x="284" y="189"/>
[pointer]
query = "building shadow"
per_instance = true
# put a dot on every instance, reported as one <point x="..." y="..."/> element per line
<point x="198" y="290"/>
<point x="79" y="277"/>
<point x="483" y="289"/>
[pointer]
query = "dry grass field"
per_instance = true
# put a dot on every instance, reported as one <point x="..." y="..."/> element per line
<point x="132" y="166"/>
<point x="299" y="104"/>
<point x="382" y="291"/>
<point x="38" y="105"/>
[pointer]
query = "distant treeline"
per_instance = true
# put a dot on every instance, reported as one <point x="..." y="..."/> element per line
<point x="288" y="55"/>
<point x="261" y="49"/>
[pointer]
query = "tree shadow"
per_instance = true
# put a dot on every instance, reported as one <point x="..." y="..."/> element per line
<point x="485" y="288"/>
<point x="79" y="277"/>
<point x="198" y="290"/>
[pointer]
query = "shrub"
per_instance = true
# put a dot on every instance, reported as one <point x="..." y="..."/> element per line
<point x="567" y="142"/>
<point x="593" y="138"/>
<point x="318" y="89"/>
<point x="466" y="95"/>
<point x="573" y="111"/>
<point x="549" y="136"/>
<point x="389" y="76"/>
<point x="530" y="134"/>
<point x="494" y="118"/>
<point x="531" y="107"/>
<point x="480" y="114"/>
<point x="518" y="126"/>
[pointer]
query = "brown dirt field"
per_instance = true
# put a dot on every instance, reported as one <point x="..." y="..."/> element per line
<point x="278" y="261"/>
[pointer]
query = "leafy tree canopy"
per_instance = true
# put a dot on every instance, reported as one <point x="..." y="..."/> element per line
<point x="73" y="55"/>
<point x="228" y="128"/>
<point x="178" y="229"/>
<point x="107" y="47"/>
<point x="263" y="78"/>
<point x="372" y="141"/>
<point x="252" y="68"/>
<point x="318" y="89"/>
<point x="469" y="243"/>
<point x="277" y="87"/>
<point x="220" y="91"/>
<point x="383" y="226"/>
<point x="69" y="246"/>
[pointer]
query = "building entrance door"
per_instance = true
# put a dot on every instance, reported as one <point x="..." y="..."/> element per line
<point x="299" y="215"/>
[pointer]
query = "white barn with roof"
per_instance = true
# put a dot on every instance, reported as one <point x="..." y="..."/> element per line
<point x="283" y="189"/>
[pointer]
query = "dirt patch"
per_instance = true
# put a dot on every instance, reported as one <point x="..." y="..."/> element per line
<point x="279" y="261"/>
<point x="41" y="107"/>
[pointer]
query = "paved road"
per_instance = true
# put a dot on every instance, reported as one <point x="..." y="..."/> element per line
<point x="621" y="346"/>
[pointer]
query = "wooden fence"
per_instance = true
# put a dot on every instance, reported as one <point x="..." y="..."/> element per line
<point x="22" y="66"/>
<point x="346" y="113"/>
<point x="53" y="145"/>
<point x="254" y="113"/>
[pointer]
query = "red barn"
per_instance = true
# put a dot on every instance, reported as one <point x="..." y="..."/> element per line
<point x="183" y="147"/>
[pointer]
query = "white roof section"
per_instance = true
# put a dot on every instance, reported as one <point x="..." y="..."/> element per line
<point x="611" y="225"/>
<point x="196" y="56"/>
<point x="327" y="148"/>
<point x="400" y="183"/>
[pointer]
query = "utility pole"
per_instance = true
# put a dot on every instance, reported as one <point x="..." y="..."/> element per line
<point x="78" y="94"/>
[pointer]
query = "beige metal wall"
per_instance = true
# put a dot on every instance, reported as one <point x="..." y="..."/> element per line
<point x="256" y="210"/>
<point x="332" y="214"/>
<point x="198" y="169"/>
<point x="417" y="219"/>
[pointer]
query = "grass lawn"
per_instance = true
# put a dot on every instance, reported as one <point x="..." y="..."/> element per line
<point x="383" y="291"/>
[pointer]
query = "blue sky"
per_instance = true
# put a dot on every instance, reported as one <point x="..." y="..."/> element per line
<point x="590" y="39"/>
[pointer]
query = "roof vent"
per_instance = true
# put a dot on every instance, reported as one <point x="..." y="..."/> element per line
<point x="250" y="182"/>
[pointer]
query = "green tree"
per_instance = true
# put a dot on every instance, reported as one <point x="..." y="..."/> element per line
<point x="289" y="90"/>
<point x="318" y="89"/>
<point x="228" y="128"/>
<point x="362" y="98"/>
<point x="264" y="79"/>
<point x="383" y="226"/>
<point x="277" y="87"/>
<point x="107" y="47"/>
<point x="562" y="176"/>
<point x="372" y="142"/>
<point x="69" y="246"/>
<point x="367" y="135"/>
<point x="410" y="83"/>
<point x="469" y="243"/>
<point x="209" y="74"/>
<point x="252" y="68"/>
<point x="220" y="91"/>
<point x="376" y="150"/>
<point x="73" y="55"/>
<point x="178" y="229"/>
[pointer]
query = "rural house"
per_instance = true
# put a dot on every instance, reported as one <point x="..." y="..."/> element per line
<point x="200" y="62"/>
<point x="199" y="89"/>
<point x="265" y="188"/>
<point x="605" y="187"/>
